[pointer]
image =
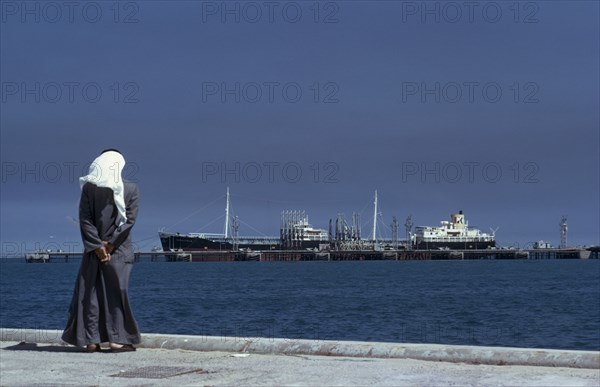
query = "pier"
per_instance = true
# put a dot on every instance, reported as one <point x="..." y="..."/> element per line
<point x="341" y="255"/>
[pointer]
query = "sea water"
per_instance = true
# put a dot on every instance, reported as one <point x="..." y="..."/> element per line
<point x="523" y="303"/>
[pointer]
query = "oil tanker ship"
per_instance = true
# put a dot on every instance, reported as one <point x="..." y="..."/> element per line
<point x="299" y="236"/>
<point x="295" y="233"/>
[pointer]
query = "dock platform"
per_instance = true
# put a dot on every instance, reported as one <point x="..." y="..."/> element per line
<point x="344" y="255"/>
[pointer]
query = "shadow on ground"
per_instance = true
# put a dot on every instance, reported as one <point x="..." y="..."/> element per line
<point x="23" y="346"/>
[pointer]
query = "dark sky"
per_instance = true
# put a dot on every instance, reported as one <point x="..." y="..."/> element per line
<point x="490" y="108"/>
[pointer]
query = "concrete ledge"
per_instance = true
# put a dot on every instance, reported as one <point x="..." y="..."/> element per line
<point x="429" y="352"/>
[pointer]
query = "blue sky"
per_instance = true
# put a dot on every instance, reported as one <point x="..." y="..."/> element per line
<point x="492" y="109"/>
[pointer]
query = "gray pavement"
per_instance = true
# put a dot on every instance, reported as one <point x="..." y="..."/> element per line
<point x="39" y="358"/>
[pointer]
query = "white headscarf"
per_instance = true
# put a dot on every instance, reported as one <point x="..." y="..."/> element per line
<point x="105" y="171"/>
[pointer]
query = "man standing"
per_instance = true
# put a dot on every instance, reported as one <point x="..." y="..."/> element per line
<point x="100" y="310"/>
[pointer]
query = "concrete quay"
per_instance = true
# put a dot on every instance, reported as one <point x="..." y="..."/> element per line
<point x="39" y="357"/>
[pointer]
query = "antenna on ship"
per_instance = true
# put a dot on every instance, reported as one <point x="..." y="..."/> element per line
<point x="375" y="218"/>
<point x="227" y="214"/>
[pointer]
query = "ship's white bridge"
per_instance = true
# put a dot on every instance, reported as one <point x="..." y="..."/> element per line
<point x="459" y="239"/>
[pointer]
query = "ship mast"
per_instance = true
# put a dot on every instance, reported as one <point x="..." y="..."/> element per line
<point x="375" y="218"/>
<point x="227" y="214"/>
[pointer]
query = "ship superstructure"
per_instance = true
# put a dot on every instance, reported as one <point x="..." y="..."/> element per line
<point x="297" y="233"/>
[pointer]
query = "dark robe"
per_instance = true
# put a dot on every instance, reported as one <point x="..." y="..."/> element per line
<point x="100" y="310"/>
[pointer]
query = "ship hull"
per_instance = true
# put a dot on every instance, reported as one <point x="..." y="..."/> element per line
<point x="188" y="243"/>
<point x="197" y="249"/>
<point x="450" y="245"/>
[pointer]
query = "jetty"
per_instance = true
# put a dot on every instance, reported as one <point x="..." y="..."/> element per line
<point x="341" y="255"/>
